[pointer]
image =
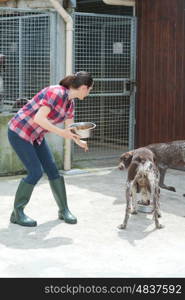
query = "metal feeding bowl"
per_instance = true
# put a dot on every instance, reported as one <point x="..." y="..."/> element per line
<point x="83" y="129"/>
<point x="145" y="208"/>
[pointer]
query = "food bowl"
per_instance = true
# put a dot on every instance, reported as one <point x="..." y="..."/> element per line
<point x="83" y="129"/>
<point x="145" y="208"/>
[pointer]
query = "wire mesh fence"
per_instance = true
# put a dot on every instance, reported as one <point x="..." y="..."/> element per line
<point x="104" y="45"/>
<point x="25" y="55"/>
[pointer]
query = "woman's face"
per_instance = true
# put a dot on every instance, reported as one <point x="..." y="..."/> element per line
<point x="84" y="91"/>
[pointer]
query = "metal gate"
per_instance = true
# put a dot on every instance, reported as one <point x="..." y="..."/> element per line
<point x="105" y="45"/>
<point x="27" y="54"/>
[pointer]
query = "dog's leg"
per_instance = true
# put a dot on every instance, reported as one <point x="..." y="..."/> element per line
<point x="158" y="203"/>
<point x="134" y="200"/>
<point x="128" y="208"/>
<point x="162" y="171"/>
<point x="155" y="191"/>
<point x="155" y="197"/>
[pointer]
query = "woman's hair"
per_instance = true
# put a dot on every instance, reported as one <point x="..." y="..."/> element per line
<point x="76" y="80"/>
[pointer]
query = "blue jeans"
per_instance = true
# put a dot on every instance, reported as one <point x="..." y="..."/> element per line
<point x="35" y="158"/>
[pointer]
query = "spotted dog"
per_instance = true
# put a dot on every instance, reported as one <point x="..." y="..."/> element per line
<point x="168" y="155"/>
<point x="143" y="178"/>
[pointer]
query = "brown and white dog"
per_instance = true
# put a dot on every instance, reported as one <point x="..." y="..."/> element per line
<point x="168" y="155"/>
<point x="143" y="177"/>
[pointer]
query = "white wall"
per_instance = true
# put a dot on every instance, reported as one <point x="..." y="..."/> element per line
<point x="34" y="4"/>
<point x="10" y="163"/>
<point x="28" y="3"/>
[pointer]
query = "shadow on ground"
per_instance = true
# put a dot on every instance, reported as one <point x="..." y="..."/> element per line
<point x="112" y="183"/>
<point x="20" y="237"/>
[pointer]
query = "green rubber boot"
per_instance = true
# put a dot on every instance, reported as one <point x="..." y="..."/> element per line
<point x="22" y="197"/>
<point x="59" y="193"/>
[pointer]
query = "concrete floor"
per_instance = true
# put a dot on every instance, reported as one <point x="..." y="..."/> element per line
<point x="94" y="247"/>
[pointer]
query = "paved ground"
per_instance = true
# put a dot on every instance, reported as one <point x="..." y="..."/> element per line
<point x="94" y="247"/>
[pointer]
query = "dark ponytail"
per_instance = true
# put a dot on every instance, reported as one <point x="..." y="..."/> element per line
<point x="76" y="80"/>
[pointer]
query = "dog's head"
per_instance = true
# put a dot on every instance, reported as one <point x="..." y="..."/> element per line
<point x="142" y="163"/>
<point x="143" y="155"/>
<point x="125" y="160"/>
<point x="140" y="155"/>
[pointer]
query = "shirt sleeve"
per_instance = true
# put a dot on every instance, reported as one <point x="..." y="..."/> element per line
<point x="50" y="98"/>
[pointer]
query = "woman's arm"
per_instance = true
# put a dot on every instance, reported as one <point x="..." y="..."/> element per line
<point x="41" y="119"/>
<point x="82" y="144"/>
<point x="68" y="122"/>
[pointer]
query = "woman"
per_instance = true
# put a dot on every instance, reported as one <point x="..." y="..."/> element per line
<point x="52" y="105"/>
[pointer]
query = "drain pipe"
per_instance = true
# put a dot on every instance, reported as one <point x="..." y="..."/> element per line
<point x="120" y="2"/>
<point x="69" y="54"/>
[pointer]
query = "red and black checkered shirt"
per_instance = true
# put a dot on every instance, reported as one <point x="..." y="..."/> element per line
<point x="55" y="97"/>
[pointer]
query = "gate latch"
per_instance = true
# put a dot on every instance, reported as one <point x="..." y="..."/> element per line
<point x="129" y="86"/>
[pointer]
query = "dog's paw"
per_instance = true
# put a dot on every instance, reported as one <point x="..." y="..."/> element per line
<point x="160" y="226"/>
<point x="122" y="226"/>
<point x="171" y="188"/>
<point x="159" y="214"/>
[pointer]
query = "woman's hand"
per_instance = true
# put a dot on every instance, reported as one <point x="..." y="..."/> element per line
<point x="82" y="144"/>
<point x="69" y="134"/>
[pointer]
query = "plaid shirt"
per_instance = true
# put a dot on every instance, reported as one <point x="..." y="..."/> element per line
<point x="55" y="97"/>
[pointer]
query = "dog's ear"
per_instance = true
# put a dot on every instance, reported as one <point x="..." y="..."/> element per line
<point x="155" y="159"/>
<point x="125" y="160"/>
<point x="132" y="171"/>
